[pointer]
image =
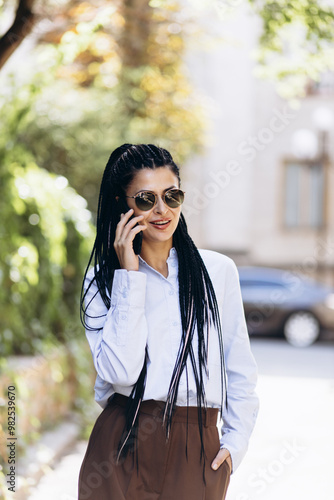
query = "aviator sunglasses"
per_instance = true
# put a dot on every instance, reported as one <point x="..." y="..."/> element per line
<point x="145" y="200"/>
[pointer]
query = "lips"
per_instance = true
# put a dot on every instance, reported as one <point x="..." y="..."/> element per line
<point x="161" y="223"/>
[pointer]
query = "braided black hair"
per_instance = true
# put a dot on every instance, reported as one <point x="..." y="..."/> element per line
<point x="198" y="303"/>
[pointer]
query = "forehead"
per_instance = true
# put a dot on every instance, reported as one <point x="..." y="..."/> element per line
<point x="157" y="179"/>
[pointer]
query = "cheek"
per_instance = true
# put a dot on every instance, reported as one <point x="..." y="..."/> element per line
<point x="177" y="215"/>
<point x="147" y="217"/>
<point x="138" y="212"/>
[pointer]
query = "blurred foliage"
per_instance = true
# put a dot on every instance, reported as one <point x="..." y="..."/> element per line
<point x="45" y="233"/>
<point x="295" y="38"/>
<point x="81" y="91"/>
<point x="83" y="373"/>
<point x="118" y="76"/>
<point x="296" y="44"/>
<point x="104" y="94"/>
<point x="112" y="72"/>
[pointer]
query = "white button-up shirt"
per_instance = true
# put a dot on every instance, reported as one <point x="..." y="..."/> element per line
<point x="145" y="312"/>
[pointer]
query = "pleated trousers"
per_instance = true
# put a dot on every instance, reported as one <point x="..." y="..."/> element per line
<point x="158" y="469"/>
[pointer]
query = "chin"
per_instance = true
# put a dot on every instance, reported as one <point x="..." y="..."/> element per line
<point x="158" y="237"/>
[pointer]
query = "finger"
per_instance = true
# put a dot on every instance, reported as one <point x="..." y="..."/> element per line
<point x="130" y="226"/>
<point x="125" y="217"/>
<point x="123" y="220"/>
<point x="133" y="222"/>
<point x="124" y="225"/>
<point x="140" y="226"/>
<point x="130" y="223"/>
<point x="129" y="213"/>
<point x="219" y="458"/>
<point x="128" y="236"/>
<point x="134" y="231"/>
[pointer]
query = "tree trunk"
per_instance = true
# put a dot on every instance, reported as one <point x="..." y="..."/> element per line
<point x="21" y="27"/>
<point x="136" y="32"/>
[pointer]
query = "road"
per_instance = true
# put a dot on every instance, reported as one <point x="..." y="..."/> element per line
<point x="291" y="450"/>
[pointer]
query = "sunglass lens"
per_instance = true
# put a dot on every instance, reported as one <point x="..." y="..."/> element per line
<point x="174" y="198"/>
<point x="145" y="201"/>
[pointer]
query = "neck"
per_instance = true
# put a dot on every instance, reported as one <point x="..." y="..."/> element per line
<point x="156" y="255"/>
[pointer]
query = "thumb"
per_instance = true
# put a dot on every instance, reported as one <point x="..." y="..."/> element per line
<point x="220" y="458"/>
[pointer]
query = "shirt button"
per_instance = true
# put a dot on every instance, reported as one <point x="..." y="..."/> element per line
<point x="171" y="292"/>
<point x="175" y="323"/>
<point x="124" y="317"/>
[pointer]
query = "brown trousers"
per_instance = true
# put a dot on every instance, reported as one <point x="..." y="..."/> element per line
<point x="165" y="471"/>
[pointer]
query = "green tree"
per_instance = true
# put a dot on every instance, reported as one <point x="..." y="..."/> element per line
<point x="22" y="25"/>
<point x="46" y="140"/>
<point x="296" y="44"/>
<point x="112" y="72"/>
<point x="45" y="233"/>
<point x="120" y="75"/>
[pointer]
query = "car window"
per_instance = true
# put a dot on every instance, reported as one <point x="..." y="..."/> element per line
<point x="259" y="283"/>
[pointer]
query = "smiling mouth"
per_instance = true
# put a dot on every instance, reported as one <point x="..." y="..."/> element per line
<point x="161" y="224"/>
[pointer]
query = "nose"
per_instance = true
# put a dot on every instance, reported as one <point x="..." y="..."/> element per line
<point x="160" y="207"/>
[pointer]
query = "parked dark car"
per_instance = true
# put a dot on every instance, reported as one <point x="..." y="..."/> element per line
<point x="277" y="301"/>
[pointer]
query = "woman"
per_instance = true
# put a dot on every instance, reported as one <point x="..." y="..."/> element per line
<point x="166" y="328"/>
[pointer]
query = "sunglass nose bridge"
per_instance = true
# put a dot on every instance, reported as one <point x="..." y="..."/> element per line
<point x="160" y="205"/>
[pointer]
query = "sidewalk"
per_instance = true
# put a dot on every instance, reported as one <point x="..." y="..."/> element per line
<point x="291" y="451"/>
<point x="61" y="482"/>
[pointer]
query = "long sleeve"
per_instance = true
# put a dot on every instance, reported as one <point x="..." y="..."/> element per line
<point x="118" y="336"/>
<point x="242" y="401"/>
<point x="145" y="312"/>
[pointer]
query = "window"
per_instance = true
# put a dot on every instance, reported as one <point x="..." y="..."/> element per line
<point x="304" y="195"/>
<point x="260" y="284"/>
<point x="323" y="87"/>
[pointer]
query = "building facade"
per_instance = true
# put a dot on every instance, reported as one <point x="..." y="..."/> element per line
<point x="262" y="192"/>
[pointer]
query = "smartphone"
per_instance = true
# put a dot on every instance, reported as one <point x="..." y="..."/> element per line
<point x="137" y="242"/>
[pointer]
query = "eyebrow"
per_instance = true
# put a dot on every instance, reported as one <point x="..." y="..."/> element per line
<point x="150" y="190"/>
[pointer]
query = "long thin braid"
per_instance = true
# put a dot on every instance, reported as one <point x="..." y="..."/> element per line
<point x="195" y="286"/>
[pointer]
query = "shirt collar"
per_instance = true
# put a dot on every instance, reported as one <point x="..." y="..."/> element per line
<point x="172" y="262"/>
<point x="172" y="255"/>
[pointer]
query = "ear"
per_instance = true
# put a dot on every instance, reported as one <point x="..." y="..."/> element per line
<point x="116" y="198"/>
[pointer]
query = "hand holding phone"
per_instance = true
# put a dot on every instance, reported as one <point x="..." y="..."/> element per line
<point x="137" y="242"/>
<point x="126" y="245"/>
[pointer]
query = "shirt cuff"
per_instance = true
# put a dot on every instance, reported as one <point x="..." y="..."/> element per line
<point x="237" y="452"/>
<point x="128" y="289"/>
